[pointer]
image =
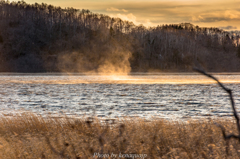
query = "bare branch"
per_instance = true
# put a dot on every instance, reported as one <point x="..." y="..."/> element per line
<point x="229" y="91"/>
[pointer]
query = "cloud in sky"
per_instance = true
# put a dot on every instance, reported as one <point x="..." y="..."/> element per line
<point x="228" y="15"/>
<point x="131" y="17"/>
<point x="128" y="17"/>
<point x="228" y="27"/>
<point x="115" y="10"/>
<point x="205" y="13"/>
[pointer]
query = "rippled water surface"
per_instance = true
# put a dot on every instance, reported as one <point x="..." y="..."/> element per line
<point x="171" y="96"/>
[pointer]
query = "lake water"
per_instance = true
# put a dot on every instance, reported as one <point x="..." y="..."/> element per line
<point x="169" y="96"/>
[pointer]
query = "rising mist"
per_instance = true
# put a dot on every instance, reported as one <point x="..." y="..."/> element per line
<point x="45" y="38"/>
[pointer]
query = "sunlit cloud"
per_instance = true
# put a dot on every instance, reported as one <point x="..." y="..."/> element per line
<point x="228" y="15"/>
<point x="129" y="17"/>
<point x="205" y="13"/>
<point x="232" y="14"/>
<point x="116" y="10"/>
<point x="197" y="18"/>
<point x="132" y="18"/>
<point x="228" y="28"/>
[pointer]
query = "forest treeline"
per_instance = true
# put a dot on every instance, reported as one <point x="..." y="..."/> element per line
<point x="44" y="38"/>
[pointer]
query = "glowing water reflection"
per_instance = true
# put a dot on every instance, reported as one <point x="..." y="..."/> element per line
<point x="171" y="96"/>
<point x="163" y="78"/>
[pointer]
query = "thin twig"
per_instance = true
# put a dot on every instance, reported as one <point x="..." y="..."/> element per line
<point x="229" y="91"/>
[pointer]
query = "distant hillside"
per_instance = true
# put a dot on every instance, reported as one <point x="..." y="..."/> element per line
<point x="44" y="38"/>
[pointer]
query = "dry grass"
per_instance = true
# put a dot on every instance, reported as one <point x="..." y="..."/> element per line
<point x="32" y="136"/>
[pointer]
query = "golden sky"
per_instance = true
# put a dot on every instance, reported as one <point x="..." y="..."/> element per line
<point x="223" y="14"/>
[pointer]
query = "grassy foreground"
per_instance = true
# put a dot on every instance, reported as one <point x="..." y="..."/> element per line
<point x="32" y="136"/>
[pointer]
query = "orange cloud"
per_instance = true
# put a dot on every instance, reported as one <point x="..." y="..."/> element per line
<point x="205" y="13"/>
<point x="115" y="9"/>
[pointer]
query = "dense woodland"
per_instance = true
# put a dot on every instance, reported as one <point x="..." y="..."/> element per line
<point x="44" y="38"/>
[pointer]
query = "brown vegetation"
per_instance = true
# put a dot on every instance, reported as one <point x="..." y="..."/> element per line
<point x="32" y="136"/>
